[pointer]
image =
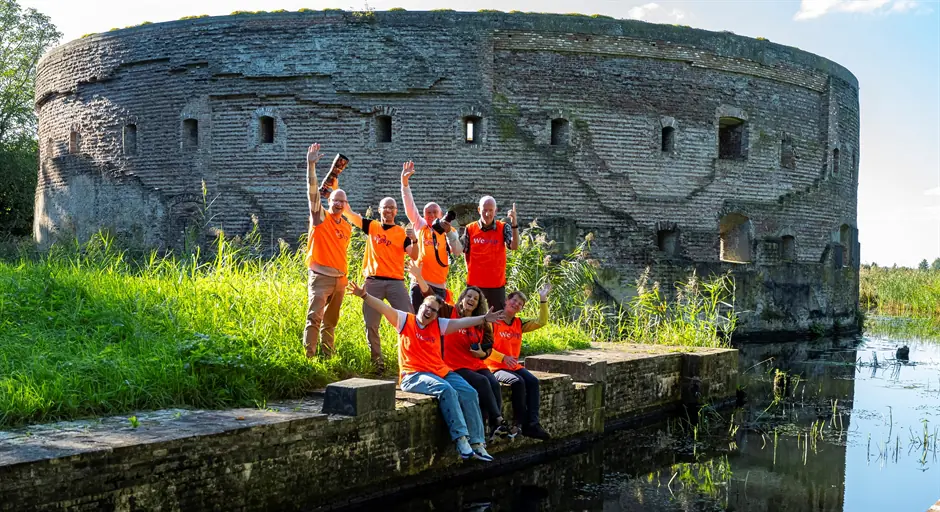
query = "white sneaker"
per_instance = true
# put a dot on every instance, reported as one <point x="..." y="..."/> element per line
<point x="479" y="453"/>
<point x="463" y="448"/>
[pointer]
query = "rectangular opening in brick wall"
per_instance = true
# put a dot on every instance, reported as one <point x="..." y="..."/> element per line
<point x="471" y="129"/>
<point x="668" y="139"/>
<point x="854" y="159"/>
<point x="835" y="161"/>
<point x="130" y="139"/>
<point x="266" y="125"/>
<point x="787" y="248"/>
<point x="735" y="244"/>
<point x="787" y="154"/>
<point x="845" y="240"/>
<point x="383" y="129"/>
<point x="559" y="132"/>
<point x="732" y="138"/>
<point x="74" y="140"/>
<point x="668" y="241"/>
<point x="190" y="133"/>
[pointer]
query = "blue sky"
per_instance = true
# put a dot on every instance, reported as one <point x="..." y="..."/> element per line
<point x="892" y="46"/>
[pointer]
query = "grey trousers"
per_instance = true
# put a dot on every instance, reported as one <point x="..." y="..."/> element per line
<point x="394" y="292"/>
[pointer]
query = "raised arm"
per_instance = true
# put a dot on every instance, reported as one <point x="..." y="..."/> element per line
<point x="411" y="209"/>
<point x="530" y="324"/>
<point x="313" y="189"/>
<point x="415" y="270"/>
<point x="455" y="324"/>
<point x="390" y="313"/>
<point x="354" y="218"/>
<point x="514" y="226"/>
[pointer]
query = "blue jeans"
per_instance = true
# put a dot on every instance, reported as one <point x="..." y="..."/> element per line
<point x="458" y="400"/>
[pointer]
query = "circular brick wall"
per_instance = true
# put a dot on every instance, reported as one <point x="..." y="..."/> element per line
<point x="675" y="146"/>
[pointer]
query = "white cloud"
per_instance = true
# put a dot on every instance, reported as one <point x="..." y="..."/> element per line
<point x="640" y="12"/>
<point x="933" y="192"/>
<point x="810" y="9"/>
<point x="677" y="14"/>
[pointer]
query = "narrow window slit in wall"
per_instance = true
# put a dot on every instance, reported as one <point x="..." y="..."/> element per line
<point x="471" y="129"/>
<point x="130" y="139"/>
<point x="668" y="139"/>
<point x="787" y="154"/>
<point x="190" y="133"/>
<point x="835" y="161"/>
<point x="787" y="248"/>
<point x="74" y="142"/>
<point x="383" y="129"/>
<point x="266" y="126"/>
<point x="559" y="132"/>
<point x="732" y="138"/>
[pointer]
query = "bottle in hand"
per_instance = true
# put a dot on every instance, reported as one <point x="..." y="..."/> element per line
<point x="329" y="181"/>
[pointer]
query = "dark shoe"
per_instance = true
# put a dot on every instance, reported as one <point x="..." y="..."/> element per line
<point x="504" y="430"/>
<point x="536" y="431"/>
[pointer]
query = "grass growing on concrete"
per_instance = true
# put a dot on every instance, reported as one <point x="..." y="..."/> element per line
<point x="900" y="291"/>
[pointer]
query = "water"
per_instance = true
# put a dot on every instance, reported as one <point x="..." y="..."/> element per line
<point x="850" y="437"/>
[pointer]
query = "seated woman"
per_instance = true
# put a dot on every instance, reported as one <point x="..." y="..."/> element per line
<point x="423" y="371"/>
<point x="465" y="350"/>
<point x="504" y="360"/>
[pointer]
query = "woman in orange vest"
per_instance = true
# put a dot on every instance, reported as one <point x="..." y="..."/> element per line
<point x="422" y="370"/>
<point x="504" y="360"/>
<point x="465" y="350"/>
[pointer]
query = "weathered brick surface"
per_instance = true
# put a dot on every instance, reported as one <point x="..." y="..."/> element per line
<point x="326" y="77"/>
<point x="291" y="457"/>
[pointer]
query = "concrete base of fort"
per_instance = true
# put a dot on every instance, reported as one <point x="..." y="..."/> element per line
<point x="292" y="456"/>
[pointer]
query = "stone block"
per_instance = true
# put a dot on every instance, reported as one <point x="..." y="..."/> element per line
<point x="357" y="397"/>
<point x="709" y="375"/>
<point x="580" y="368"/>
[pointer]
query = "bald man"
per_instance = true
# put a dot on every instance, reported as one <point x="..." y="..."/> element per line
<point x="327" y="264"/>
<point x="484" y="243"/>
<point x="434" y="248"/>
<point x="383" y="266"/>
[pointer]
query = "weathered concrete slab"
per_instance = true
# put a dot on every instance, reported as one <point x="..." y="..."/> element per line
<point x="581" y="368"/>
<point x="289" y="456"/>
<point x="357" y="397"/>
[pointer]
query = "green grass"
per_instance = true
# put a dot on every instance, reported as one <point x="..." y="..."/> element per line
<point x="900" y="291"/>
<point x="88" y="330"/>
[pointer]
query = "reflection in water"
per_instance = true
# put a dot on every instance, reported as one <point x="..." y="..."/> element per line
<point x="857" y="432"/>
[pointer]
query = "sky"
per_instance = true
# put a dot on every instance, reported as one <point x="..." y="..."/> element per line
<point x="892" y="47"/>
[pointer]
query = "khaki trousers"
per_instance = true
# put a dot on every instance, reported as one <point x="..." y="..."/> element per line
<point x="324" y="299"/>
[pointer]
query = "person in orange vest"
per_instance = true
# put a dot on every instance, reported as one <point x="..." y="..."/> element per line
<point x="465" y="350"/>
<point x="504" y="360"/>
<point x="422" y="370"/>
<point x="484" y="244"/>
<point x="437" y="241"/>
<point x="383" y="267"/>
<point x="327" y="241"/>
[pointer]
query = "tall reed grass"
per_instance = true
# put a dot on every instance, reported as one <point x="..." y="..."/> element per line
<point x="89" y="330"/>
<point x="900" y="291"/>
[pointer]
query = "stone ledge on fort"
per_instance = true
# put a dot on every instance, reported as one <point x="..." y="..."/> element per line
<point x="288" y="455"/>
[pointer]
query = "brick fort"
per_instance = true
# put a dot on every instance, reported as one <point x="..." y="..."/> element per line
<point x="679" y="149"/>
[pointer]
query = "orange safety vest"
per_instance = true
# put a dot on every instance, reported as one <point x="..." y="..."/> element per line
<point x="431" y="269"/>
<point x="456" y="347"/>
<point x="385" y="252"/>
<point x="327" y="243"/>
<point x="507" y="340"/>
<point x="486" y="259"/>
<point x="419" y="350"/>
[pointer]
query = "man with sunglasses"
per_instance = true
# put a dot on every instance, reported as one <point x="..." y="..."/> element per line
<point x="422" y="370"/>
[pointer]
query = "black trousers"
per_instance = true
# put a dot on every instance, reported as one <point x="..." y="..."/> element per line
<point x="495" y="297"/>
<point x="525" y="394"/>
<point x="417" y="297"/>
<point x="491" y="400"/>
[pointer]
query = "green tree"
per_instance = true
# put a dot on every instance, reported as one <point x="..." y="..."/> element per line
<point x="923" y="265"/>
<point x="936" y="264"/>
<point x="25" y="35"/>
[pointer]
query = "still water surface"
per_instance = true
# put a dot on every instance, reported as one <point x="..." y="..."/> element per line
<point x="849" y="437"/>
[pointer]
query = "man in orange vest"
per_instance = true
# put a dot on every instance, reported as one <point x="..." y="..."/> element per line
<point x="423" y="369"/>
<point x="484" y="244"/>
<point x="436" y="241"/>
<point x="383" y="266"/>
<point x="327" y="241"/>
